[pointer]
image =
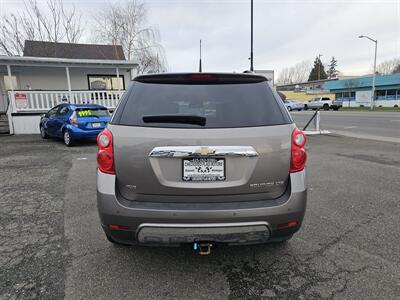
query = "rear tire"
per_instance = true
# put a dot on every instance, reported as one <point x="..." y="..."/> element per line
<point x="67" y="138"/>
<point x="289" y="108"/>
<point x="43" y="133"/>
<point x="325" y="107"/>
<point x="305" y="107"/>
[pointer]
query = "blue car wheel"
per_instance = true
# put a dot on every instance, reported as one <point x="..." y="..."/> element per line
<point x="67" y="138"/>
<point x="43" y="133"/>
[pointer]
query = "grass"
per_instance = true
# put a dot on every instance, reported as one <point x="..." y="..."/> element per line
<point x="368" y="108"/>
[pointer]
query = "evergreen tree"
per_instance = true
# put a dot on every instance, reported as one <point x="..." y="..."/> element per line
<point x="332" y="71"/>
<point x="318" y="66"/>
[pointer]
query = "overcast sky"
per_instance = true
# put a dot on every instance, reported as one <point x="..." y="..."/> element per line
<point x="285" y="32"/>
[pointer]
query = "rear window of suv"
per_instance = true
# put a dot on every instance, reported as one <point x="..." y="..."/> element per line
<point x="222" y="105"/>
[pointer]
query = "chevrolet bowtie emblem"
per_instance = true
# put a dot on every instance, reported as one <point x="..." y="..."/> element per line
<point x="204" y="151"/>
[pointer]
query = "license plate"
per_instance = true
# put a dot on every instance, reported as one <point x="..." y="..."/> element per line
<point x="96" y="125"/>
<point x="203" y="169"/>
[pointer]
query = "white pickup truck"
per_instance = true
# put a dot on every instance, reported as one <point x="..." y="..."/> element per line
<point x="324" y="103"/>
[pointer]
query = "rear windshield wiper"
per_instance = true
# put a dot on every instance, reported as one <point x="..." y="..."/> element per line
<point x="182" y="119"/>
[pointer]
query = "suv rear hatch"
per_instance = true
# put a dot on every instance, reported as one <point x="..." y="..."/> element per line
<point x="201" y="137"/>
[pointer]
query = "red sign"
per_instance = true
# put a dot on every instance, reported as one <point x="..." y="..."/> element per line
<point x="21" y="100"/>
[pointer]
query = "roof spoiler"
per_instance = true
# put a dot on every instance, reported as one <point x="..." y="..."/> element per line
<point x="200" y="78"/>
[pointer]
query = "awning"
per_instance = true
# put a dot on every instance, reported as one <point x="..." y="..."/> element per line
<point x="62" y="62"/>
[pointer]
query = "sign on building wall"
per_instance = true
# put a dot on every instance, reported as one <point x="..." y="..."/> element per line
<point x="21" y="100"/>
<point x="363" y="97"/>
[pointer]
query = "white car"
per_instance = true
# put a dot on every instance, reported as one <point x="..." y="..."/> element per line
<point x="293" y="105"/>
<point x="324" y="103"/>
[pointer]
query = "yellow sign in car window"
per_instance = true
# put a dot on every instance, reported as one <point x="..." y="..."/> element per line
<point x="84" y="113"/>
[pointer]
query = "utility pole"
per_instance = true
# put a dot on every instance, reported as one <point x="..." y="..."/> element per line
<point x="200" y="67"/>
<point x="373" y="76"/>
<point x="251" y="40"/>
<point x="319" y="66"/>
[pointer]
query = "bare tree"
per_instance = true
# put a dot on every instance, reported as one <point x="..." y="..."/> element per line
<point x="295" y="74"/>
<point x="285" y="77"/>
<point x="125" y="23"/>
<point x="388" y="66"/>
<point x="51" y="22"/>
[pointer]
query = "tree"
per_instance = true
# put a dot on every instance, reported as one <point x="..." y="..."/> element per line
<point x="389" y="66"/>
<point x="295" y="74"/>
<point x="51" y="22"/>
<point x="124" y="23"/>
<point x="332" y="71"/>
<point x="396" y="69"/>
<point x="318" y="71"/>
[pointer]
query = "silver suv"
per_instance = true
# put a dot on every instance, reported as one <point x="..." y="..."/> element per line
<point x="201" y="159"/>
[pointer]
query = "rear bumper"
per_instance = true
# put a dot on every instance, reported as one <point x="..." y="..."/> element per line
<point x="77" y="133"/>
<point x="178" y="223"/>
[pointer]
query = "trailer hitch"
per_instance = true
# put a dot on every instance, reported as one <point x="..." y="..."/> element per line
<point x="203" y="248"/>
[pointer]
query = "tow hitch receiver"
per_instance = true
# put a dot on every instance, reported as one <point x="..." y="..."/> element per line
<point x="202" y="248"/>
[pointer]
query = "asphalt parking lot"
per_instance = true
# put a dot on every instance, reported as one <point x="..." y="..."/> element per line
<point x="52" y="246"/>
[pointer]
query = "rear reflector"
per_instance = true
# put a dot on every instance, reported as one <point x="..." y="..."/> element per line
<point x="288" y="224"/>
<point x="117" y="227"/>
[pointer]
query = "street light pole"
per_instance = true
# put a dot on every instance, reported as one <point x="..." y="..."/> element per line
<point x="251" y="39"/>
<point x="373" y="76"/>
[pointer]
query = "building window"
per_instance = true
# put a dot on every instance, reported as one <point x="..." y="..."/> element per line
<point x="339" y="96"/>
<point x="6" y="81"/>
<point x="381" y="95"/>
<point x="391" y="95"/>
<point x="398" y="95"/>
<point x="349" y="96"/>
<point x="106" y="82"/>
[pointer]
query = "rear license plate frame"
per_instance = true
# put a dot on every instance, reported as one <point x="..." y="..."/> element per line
<point x="96" y="125"/>
<point x="211" y="179"/>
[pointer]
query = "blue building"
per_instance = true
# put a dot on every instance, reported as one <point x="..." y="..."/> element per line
<point x="357" y="91"/>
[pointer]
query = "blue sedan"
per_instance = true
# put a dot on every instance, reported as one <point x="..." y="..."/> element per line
<point x="73" y="122"/>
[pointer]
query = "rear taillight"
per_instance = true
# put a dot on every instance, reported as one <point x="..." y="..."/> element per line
<point x="74" y="119"/>
<point x="105" y="153"/>
<point x="299" y="156"/>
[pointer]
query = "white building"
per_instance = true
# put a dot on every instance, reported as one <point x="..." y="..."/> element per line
<point x="50" y="73"/>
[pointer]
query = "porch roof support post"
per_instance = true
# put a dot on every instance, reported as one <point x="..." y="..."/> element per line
<point x="10" y="82"/>
<point x="117" y="70"/>
<point x="69" y="85"/>
<point x="11" y="109"/>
